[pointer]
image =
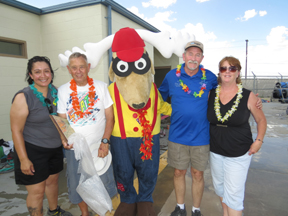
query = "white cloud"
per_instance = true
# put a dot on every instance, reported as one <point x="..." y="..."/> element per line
<point x="248" y="14"/>
<point x="266" y="59"/>
<point x="145" y="4"/>
<point x="262" y="13"/>
<point x="262" y="60"/>
<point x="160" y="19"/>
<point x="159" y="3"/>
<point x="135" y="10"/>
<point x="278" y="36"/>
<point x="202" y="1"/>
<point x="270" y="59"/>
<point x="199" y="32"/>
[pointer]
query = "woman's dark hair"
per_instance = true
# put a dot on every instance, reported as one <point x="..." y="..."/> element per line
<point x="30" y="66"/>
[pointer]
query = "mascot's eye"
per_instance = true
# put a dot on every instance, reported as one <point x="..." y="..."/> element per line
<point x="122" y="66"/>
<point x="140" y="64"/>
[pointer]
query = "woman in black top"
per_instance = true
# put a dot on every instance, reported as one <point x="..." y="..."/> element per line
<point x="231" y="143"/>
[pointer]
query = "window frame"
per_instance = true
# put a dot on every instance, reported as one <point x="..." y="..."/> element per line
<point x="15" y="41"/>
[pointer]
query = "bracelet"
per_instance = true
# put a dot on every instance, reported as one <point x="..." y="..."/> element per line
<point x="259" y="140"/>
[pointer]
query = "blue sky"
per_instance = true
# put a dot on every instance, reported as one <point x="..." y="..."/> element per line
<point x="223" y="26"/>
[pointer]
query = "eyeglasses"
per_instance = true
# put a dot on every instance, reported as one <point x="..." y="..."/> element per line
<point x="230" y="69"/>
<point x="81" y="68"/>
<point x="49" y="105"/>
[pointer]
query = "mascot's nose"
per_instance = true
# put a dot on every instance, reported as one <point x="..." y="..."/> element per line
<point x="138" y="106"/>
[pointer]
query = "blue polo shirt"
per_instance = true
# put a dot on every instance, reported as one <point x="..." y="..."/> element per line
<point x="189" y="123"/>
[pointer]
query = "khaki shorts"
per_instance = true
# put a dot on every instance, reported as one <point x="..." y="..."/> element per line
<point x="180" y="156"/>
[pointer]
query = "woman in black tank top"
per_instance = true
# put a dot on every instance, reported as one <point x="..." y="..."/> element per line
<point x="231" y="143"/>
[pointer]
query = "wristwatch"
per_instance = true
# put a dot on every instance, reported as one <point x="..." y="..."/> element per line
<point x="105" y="141"/>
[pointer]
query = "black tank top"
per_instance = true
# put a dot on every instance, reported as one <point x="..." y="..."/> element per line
<point x="233" y="137"/>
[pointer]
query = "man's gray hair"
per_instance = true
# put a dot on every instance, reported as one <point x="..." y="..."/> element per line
<point x="78" y="55"/>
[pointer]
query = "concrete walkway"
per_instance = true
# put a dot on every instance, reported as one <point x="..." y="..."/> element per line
<point x="266" y="187"/>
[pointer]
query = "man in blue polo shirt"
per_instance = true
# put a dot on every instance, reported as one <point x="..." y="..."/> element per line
<point x="188" y="85"/>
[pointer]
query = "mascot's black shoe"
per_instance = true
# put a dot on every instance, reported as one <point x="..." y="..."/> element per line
<point x="145" y="209"/>
<point x="126" y="209"/>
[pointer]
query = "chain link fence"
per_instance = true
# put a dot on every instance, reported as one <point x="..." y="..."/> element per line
<point x="267" y="86"/>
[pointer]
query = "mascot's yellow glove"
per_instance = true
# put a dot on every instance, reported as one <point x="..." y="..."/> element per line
<point x="164" y="108"/>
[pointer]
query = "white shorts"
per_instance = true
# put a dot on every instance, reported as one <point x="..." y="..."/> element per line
<point x="229" y="175"/>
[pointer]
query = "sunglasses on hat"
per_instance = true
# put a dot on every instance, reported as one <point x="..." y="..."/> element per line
<point x="230" y="69"/>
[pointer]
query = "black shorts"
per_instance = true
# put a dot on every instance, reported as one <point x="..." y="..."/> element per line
<point x="46" y="161"/>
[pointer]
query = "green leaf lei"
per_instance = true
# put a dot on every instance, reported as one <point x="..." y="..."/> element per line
<point x="230" y="112"/>
<point x="40" y="96"/>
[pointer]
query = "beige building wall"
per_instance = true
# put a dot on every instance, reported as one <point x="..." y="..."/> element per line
<point x="161" y="61"/>
<point x="163" y="66"/>
<point x="66" y="29"/>
<point x="49" y="35"/>
<point x="20" y="25"/>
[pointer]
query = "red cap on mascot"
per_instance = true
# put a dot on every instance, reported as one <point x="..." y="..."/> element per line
<point x="128" y="45"/>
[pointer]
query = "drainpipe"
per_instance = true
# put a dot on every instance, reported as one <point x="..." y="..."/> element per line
<point x="109" y="18"/>
<point x="109" y="29"/>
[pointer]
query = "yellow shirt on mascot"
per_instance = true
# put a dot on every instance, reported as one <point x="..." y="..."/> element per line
<point x="131" y="126"/>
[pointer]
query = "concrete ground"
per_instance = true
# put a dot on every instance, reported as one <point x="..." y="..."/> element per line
<point x="266" y="186"/>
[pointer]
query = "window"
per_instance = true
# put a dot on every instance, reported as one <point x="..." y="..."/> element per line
<point x="13" y="48"/>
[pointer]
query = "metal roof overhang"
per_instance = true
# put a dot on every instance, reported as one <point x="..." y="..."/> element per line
<point x="76" y="4"/>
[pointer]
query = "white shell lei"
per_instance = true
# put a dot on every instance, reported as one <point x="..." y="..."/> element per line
<point x="230" y="112"/>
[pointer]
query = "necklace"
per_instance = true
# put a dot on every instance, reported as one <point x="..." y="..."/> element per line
<point x="40" y="96"/>
<point x="186" y="88"/>
<point x="230" y="112"/>
<point x="75" y="100"/>
<point x="146" y="146"/>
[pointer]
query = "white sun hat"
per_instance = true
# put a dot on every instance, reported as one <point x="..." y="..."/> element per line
<point x="101" y="164"/>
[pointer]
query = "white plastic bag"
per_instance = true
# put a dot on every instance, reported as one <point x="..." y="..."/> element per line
<point x="8" y="148"/>
<point x="90" y="187"/>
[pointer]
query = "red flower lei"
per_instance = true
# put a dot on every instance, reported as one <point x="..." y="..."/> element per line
<point x="75" y="100"/>
<point x="146" y="146"/>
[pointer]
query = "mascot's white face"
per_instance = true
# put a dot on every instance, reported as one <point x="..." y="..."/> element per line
<point x="133" y="79"/>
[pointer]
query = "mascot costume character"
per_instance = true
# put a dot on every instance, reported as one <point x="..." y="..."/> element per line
<point x="135" y="137"/>
<point x="137" y="108"/>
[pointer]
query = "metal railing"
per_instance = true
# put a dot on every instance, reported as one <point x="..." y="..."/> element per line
<point x="264" y="85"/>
